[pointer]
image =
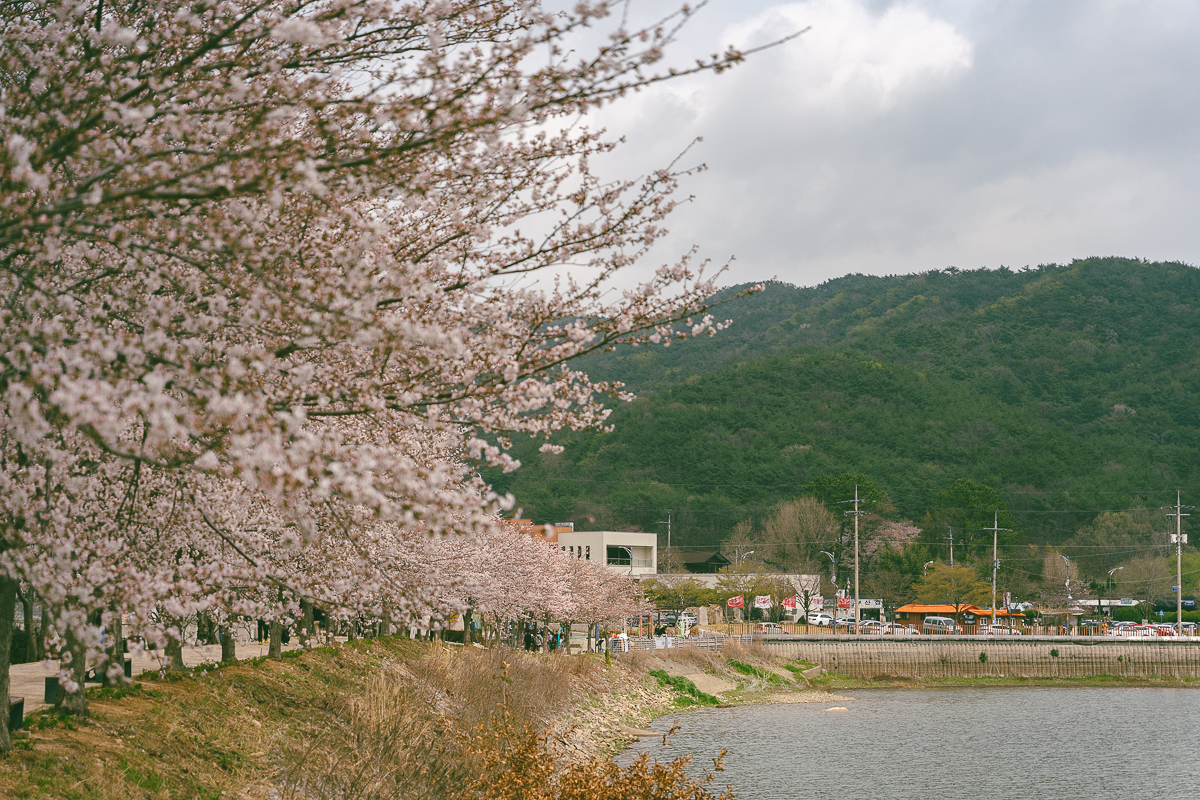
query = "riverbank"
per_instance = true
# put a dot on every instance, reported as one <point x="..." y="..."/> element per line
<point x="351" y="719"/>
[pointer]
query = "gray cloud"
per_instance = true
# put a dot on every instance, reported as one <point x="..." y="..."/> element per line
<point x="899" y="137"/>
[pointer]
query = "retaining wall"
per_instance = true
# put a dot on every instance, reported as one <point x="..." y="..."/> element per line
<point x="1026" y="657"/>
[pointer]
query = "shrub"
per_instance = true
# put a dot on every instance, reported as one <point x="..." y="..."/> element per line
<point x="685" y="686"/>
<point x="755" y="672"/>
<point x="514" y="763"/>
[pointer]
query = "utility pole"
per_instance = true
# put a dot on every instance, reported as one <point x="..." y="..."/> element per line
<point x="856" y="513"/>
<point x="1179" y="539"/>
<point x="951" y="538"/>
<point x="995" y="529"/>
<point x="668" y="524"/>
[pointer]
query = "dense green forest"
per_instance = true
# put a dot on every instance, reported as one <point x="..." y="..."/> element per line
<point x="1069" y="389"/>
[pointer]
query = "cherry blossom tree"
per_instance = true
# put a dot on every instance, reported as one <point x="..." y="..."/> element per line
<point x="256" y="257"/>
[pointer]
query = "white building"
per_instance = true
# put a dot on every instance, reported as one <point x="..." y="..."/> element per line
<point x="632" y="554"/>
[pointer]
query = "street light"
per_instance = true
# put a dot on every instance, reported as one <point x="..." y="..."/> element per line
<point x="629" y="550"/>
<point x="925" y="569"/>
<point x="1108" y="585"/>
<point x="741" y="559"/>
<point x="1067" y="605"/>
<point x="834" y="560"/>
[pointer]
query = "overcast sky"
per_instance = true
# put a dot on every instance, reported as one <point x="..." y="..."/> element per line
<point x="898" y="137"/>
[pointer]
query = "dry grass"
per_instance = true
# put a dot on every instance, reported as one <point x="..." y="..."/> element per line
<point x="376" y="719"/>
<point x="407" y="735"/>
<point x="385" y="744"/>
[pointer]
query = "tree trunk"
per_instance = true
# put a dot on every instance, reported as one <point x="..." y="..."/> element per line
<point x="174" y="653"/>
<point x="308" y="624"/>
<point x="467" y="628"/>
<point x="351" y="630"/>
<point x="303" y="633"/>
<point x="228" y="645"/>
<point x="8" y="614"/>
<point x="75" y="702"/>
<point x="276" y="648"/>
<point x="39" y="636"/>
<point x="385" y="624"/>
<point x="206" y="629"/>
<point x="30" y="632"/>
<point x="114" y="654"/>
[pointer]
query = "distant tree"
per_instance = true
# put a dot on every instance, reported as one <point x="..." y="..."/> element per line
<point x="676" y="592"/>
<point x="1146" y="578"/>
<point x="1062" y="585"/>
<point x="837" y="493"/>
<point x="747" y="580"/>
<point x="958" y="586"/>
<point x="1114" y="537"/>
<point x="809" y="592"/>
<point x="670" y="561"/>
<point x="969" y="507"/>
<point x="795" y="533"/>
<point x="838" y="489"/>
<point x="740" y="545"/>
<point x="891" y="587"/>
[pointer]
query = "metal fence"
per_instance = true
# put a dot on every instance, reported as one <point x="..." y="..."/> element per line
<point x="705" y="641"/>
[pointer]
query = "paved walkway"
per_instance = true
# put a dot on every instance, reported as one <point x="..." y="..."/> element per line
<point x="29" y="680"/>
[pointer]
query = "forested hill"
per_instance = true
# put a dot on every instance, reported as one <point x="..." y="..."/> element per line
<point x="1071" y="389"/>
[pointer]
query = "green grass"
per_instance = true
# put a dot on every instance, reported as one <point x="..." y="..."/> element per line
<point x="147" y="779"/>
<point x="117" y="692"/>
<point x="755" y="672"/>
<point x="692" y="695"/>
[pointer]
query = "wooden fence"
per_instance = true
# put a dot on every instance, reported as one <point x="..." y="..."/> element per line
<point x="1011" y="658"/>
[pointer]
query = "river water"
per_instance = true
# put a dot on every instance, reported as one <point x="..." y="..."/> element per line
<point x="951" y="744"/>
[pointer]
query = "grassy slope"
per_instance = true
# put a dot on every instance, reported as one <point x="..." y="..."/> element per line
<point x="242" y="728"/>
<point x="377" y="713"/>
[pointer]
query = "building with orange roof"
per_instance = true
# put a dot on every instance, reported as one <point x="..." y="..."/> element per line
<point x="914" y="614"/>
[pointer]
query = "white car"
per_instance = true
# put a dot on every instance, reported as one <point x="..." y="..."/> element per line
<point x="876" y="628"/>
<point x="820" y="619"/>
<point x="996" y="630"/>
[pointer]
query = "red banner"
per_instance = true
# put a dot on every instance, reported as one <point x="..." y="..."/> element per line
<point x="845" y="602"/>
<point x="736" y="602"/>
<point x="789" y="602"/>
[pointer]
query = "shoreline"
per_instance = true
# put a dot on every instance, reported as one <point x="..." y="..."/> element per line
<point x="827" y="687"/>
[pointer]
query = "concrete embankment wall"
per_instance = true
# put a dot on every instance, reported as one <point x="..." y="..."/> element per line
<point x="1028" y="657"/>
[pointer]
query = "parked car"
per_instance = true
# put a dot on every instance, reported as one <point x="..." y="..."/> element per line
<point x="820" y="618"/>
<point x="996" y="630"/>
<point x="846" y="621"/>
<point x="942" y="625"/>
<point x="768" y="628"/>
<point x="877" y="628"/>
